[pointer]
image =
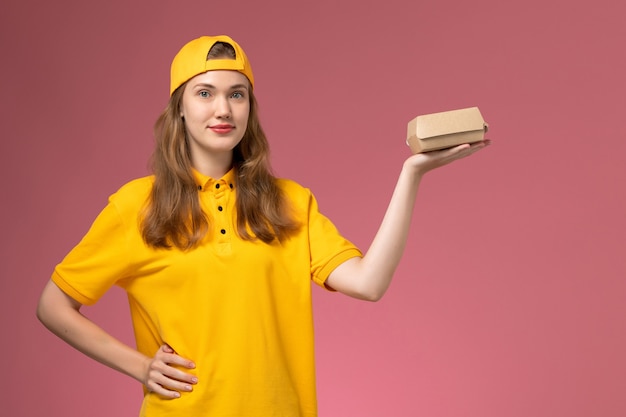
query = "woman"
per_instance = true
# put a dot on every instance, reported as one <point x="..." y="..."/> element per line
<point x="217" y="255"/>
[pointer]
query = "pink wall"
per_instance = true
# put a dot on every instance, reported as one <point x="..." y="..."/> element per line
<point x="510" y="300"/>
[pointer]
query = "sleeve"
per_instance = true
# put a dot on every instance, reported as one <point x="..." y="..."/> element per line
<point x="99" y="260"/>
<point x="328" y="248"/>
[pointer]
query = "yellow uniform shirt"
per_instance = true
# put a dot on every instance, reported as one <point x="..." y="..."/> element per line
<point x="240" y="310"/>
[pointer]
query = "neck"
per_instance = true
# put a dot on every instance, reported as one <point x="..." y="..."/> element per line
<point x="214" y="166"/>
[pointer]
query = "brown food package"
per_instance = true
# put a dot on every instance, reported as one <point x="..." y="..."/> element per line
<point x="430" y="132"/>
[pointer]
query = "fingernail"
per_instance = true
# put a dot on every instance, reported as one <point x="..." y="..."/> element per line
<point x="194" y="380"/>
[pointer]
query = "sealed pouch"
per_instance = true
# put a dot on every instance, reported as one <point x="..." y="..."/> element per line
<point x="435" y="131"/>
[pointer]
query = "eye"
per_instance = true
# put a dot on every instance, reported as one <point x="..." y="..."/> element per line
<point x="204" y="93"/>
<point x="237" y="95"/>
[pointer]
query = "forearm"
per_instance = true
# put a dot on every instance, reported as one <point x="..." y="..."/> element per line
<point x="369" y="277"/>
<point x="61" y="315"/>
<point x="384" y="254"/>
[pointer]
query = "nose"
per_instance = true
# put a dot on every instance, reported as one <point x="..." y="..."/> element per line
<point x="222" y="108"/>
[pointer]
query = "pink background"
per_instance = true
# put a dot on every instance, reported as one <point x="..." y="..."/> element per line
<point x="511" y="298"/>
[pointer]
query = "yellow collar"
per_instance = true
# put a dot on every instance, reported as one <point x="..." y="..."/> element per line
<point x="206" y="183"/>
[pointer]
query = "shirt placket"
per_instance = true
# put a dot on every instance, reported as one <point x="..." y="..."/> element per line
<point x="223" y="227"/>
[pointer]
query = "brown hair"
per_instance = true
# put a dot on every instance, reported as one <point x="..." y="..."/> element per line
<point x="173" y="215"/>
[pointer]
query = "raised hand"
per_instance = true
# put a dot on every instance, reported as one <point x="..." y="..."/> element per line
<point x="424" y="162"/>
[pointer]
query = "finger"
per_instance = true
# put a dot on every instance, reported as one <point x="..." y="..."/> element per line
<point x="158" y="389"/>
<point x="167" y="355"/>
<point x="160" y="383"/>
<point x="449" y="153"/>
<point x="173" y="359"/>
<point x="464" y="150"/>
<point x="174" y="373"/>
<point x="445" y="156"/>
<point x="482" y="144"/>
<point x="477" y="147"/>
<point x="155" y="388"/>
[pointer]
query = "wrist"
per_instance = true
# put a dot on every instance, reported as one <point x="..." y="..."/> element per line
<point x="413" y="170"/>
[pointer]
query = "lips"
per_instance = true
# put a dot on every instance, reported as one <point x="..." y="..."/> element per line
<point x="222" y="128"/>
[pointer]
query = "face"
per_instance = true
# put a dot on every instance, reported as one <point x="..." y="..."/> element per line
<point x="215" y="107"/>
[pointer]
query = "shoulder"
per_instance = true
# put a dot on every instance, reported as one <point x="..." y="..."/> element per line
<point x="300" y="198"/>
<point x="294" y="191"/>
<point x="132" y="195"/>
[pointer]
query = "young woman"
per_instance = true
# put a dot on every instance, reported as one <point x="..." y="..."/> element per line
<point x="217" y="256"/>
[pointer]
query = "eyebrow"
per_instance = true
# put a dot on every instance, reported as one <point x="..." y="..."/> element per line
<point x="211" y="86"/>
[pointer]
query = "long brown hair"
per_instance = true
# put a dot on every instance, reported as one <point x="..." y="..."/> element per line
<point x="173" y="215"/>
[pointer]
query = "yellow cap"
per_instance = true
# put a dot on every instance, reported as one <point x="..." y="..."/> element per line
<point x="191" y="60"/>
